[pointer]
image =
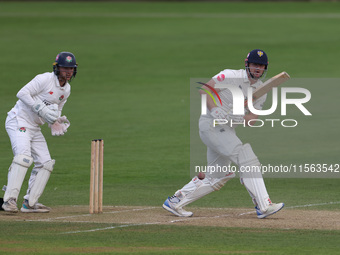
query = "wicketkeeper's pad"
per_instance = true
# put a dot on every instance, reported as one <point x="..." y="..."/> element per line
<point x="16" y="175"/>
<point x="40" y="182"/>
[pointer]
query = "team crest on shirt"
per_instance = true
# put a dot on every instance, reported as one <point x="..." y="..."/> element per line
<point x="61" y="98"/>
<point x="22" y="129"/>
<point x="260" y="53"/>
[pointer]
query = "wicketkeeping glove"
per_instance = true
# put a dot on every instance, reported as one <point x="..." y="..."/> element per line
<point x="219" y="113"/>
<point x="47" y="113"/>
<point x="60" y="126"/>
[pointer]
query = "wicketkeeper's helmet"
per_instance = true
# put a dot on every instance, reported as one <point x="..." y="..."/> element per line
<point x="65" y="59"/>
<point x="257" y="56"/>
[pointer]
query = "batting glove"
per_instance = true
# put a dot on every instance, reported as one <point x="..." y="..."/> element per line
<point x="218" y="113"/>
<point x="236" y="118"/>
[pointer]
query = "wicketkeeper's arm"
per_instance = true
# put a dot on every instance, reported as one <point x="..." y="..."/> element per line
<point x="25" y="96"/>
<point x="28" y="92"/>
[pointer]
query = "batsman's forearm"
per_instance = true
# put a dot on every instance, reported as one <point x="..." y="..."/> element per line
<point x="210" y="103"/>
<point x="249" y="117"/>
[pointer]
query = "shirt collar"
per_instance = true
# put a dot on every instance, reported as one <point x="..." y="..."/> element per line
<point x="245" y="77"/>
<point x="246" y="80"/>
<point x="58" y="84"/>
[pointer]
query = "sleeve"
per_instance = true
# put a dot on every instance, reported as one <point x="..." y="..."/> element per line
<point x="226" y="76"/>
<point x="30" y="90"/>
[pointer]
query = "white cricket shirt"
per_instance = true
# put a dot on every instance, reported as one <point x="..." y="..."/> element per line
<point x="239" y="79"/>
<point x="45" y="87"/>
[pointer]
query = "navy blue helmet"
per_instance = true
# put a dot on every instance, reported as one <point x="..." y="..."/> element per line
<point x="65" y="59"/>
<point x="257" y="56"/>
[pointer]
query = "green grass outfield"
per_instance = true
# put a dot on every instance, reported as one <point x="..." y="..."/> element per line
<point x="132" y="90"/>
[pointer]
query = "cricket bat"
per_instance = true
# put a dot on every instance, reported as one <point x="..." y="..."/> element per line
<point x="268" y="85"/>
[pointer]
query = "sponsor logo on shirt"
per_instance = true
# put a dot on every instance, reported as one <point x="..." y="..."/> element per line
<point x="221" y="77"/>
<point x="47" y="103"/>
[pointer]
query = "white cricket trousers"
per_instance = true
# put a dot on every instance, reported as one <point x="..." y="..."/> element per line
<point x="223" y="147"/>
<point x="30" y="142"/>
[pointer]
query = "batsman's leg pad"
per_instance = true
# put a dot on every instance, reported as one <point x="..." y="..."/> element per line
<point x="40" y="182"/>
<point x="251" y="177"/>
<point x="197" y="189"/>
<point x="217" y="184"/>
<point x="16" y="175"/>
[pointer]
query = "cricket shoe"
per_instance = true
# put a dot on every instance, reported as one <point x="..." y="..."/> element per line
<point x="10" y="205"/>
<point x="37" y="208"/>
<point x="272" y="208"/>
<point x="170" y="206"/>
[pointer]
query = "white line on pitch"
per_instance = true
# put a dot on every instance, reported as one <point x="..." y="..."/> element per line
<point x="310" y="205"/>
<point x="174" y="221"/>
<point x="299" y="206"/>
<point x="112" y="227"/>
<point x="88" y="215"/>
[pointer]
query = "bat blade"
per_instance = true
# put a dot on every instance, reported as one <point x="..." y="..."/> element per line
<point x="269" y="84"/>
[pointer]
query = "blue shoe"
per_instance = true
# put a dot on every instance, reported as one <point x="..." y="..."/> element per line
<point x="272" y="208"/>
<point x="37" y="208"/>
<point x="170" y="206"/>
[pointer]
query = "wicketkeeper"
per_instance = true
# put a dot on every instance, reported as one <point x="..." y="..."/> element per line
<point x="40" y="101"/>
<point x="224" y="147"/>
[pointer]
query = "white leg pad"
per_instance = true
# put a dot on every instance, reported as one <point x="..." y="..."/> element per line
<point x="251" y="177"/>
<point x="40" y="182"/>
<point x="217" y="184"/>
<point x="197" y="189"/>
<point x="16" y="175"/>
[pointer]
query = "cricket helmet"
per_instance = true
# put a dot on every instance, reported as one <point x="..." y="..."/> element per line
<point x="256" y="56"/>
<point x="65" y="59"/>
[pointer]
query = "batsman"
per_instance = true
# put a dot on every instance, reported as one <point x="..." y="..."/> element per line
<point x="40" y="101"/>
<point x="223" y="145"/>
